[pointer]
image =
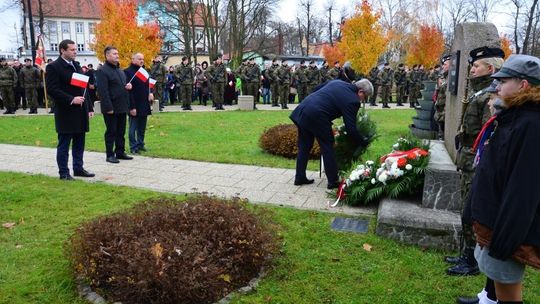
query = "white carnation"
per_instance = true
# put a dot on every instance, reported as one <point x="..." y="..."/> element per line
<point x="408" y="166"/>
<point x="383" y="177"/>
<point x="373" y="181"/>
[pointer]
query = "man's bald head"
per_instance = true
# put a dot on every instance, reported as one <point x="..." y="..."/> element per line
<point x="137" y="59"/>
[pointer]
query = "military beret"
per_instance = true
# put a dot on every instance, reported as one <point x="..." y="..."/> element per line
<point x="485" y="52"/>
<point x="520" y="66"/>
<point x="27" y="59"/>
<point x="445" y="57"/>
<point x="312" y="62"/>
<point x="336" y="62"/>
<point x="217" y="57"/>
<point x="2" y="59"/>
<point x="302" y="61"/>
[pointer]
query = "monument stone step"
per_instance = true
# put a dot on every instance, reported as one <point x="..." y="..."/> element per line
<point x="407" y="222"/>
<point x="442" y="180"/>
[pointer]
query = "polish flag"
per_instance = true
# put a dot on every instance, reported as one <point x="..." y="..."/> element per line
<point x="152" y="83"/>
<point x="79" y="80"/>
<point x="142" y="74"/>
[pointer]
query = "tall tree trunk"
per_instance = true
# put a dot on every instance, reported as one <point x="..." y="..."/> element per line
<point x="530" y="20"/>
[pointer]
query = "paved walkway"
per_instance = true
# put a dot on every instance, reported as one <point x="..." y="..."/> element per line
<point x="199" y="108"/>
<point x="257" y="184"/>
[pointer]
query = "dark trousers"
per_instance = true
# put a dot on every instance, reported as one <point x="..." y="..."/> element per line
<point x="20" y="97"/>
<point x="137" y="128"/>
<point x="62" y="152"/>
<point x="114" y="134"/>
<point x="305" y="143"/>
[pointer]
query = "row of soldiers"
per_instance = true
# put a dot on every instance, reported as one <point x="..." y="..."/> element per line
<point x="18" y="82"/>
<point x="282" y="77"/>
<point x="408" y="83"/>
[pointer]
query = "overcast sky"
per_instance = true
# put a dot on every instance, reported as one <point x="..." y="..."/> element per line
<point x="286" y="11"/>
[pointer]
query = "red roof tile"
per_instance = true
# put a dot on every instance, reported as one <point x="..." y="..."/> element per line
<point x="84" y="9"/>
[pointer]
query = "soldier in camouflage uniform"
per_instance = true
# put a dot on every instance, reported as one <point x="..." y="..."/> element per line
<point x="400" y="78"/>
<point x="441" y="96"/>
<point x="323" y="71"/>
<point x="415" y="84"/>
<point x="283" y="76"/>
<point x="475" y="113"/>
<point x="385" y="79"/>
<point x="8" y="81"/>
<point x="435" y="73"/>
<point x="335" y="72"/>
<point x="185" y="76"/>
<point x="314" y="77"/>
<point x="274" y="85"/>
<point x="30" y="79"/>
<point x="158" y="72"/>
<point x="252" y="74"/>
<point x="217" y="75"/>
<point x="374" y="79"/>
<point x="240" y="72"/>
<point x="301" y="81"/>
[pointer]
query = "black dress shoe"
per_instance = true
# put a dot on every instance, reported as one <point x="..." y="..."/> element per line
<point x="453" y="259"/>
<point x="303" y="182"/>
<point x="464" y="269"/>
<point x="124" y="156"/>
<point x="66" y="177"/>
<point x="83" y="173"/>
<point x="142" y="149"/>
<point x="332" y="185"/>
<point x="464" y="300"/>
<point x="112" y="159"/>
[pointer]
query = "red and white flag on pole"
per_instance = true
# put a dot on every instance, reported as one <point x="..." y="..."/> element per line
<point x="142" y="74"/>
<point x="79" y="80"/>
<point x="40" y="53"/>
<point x="152" y="83"/>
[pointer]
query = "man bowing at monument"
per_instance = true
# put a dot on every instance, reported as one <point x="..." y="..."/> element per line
<point x="314" y="117"/>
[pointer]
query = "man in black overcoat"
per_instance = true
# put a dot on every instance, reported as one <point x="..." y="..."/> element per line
<point x="314" y="117"/>
<point x="72" y="112"/>
<point x="113" y="92"/>
<point x="139" y="104"/>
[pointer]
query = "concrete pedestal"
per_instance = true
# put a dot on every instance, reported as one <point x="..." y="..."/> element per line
<point x="245" y="103"/>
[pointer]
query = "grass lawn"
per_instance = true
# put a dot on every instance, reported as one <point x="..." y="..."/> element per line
<point x="318" y="265"/>
<point x="223" y="137"/>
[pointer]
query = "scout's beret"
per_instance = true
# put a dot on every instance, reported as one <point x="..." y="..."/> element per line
<point x="520" y="66"/>
<point x="485" y="52"/>
<point x="493" y="86"/>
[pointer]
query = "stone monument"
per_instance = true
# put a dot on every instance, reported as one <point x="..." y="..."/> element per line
<point x="434" y="220"/>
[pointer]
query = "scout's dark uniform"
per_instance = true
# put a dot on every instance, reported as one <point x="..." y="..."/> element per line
<point x="475" y="113"/>
<point x="30" y="79"/>
<point x="314" y="117"/>
<point x="184" y="74"/>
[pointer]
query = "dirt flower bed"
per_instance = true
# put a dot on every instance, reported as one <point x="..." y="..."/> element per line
<point x="166" y="251"/>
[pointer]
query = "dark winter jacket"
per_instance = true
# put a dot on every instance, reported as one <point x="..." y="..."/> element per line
<point x="68" y="118"/>
<point x="505" y="196"/>
<point x="138" y="95"/>
<point x="111" y="89"/>
<point x="329" y="101"/>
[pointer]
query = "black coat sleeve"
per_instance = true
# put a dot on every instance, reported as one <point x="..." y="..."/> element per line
<point x="54" y="87"/>
<point x="103" y="90"/>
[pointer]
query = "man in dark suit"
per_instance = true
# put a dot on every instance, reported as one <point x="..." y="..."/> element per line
<point x="72" y="110"/>
<point x="314" y="117"/>
<point x="113" y="92"/>
<point x="139" y="104"/>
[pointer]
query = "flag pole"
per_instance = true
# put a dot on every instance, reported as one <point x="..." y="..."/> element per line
<point x="45" y="91"/>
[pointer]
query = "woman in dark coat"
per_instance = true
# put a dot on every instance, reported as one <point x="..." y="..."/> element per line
<point x="230" y="88"/>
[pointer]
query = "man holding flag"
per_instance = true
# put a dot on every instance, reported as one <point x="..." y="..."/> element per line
<point x="139" y="102"/>
<point x="72" y="111"/>
<point x="113" y="91"/>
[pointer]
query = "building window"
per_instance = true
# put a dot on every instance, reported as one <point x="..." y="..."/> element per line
<point x="80" y="47"/>
<point x="52" y="28"/>
<point x="78" y="27"/>
<point x="65" y="27"/>
<point x="92" y="27"/>
<point x="199" y="35"/>
<point x="54" y="46"/>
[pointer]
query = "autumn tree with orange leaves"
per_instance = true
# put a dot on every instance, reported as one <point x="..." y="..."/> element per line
<point x="505" y="46"/>
<point x="363" y="38"/>
<point x="119" y="28"/>
<point x="333" y="54"/>
<point x="426" y="47"/>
